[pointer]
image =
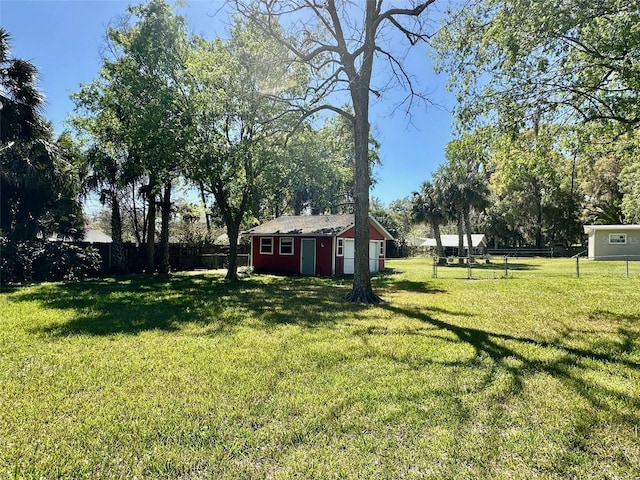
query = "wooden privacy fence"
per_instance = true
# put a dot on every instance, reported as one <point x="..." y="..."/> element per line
<point x="181" y="256"/>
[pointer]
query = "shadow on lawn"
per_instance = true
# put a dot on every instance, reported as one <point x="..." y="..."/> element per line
<point x="389" y="280"/>
<point x="570" y="366"/>
<point x="133" y="304"/>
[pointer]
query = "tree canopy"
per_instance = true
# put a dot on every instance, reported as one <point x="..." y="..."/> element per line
<point x="38" y="174"/>
<point x="519" y="60"/>
<point x="559" y="84"/>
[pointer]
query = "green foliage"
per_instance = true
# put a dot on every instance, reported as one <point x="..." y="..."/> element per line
<point x="239" y="121"/>
<point x="136" y="113"/>
<point x="429" y="206"/>
<point x="40" y="188"/>
<point x="38" y="175"/>
<point x="40" y="261"/>
<point x="525" y="68"/>
<point x="515" y="60"/>
<point x="338" y="43"/>
<point x="21" y="99"/>
<point x="630" y="186"/>
<point x="188" y="376"/>
<point x="518" y="188"/>
<point x="315" y="171"/>
<point x="533" y="181"/>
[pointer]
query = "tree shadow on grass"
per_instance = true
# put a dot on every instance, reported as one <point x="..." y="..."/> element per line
<point x="570" y="366"/>
<point x="389" y="280"/>
<point x="137" y="303"/>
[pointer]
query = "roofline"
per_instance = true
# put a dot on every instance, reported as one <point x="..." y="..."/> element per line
<point x="385" y="234"/>
<point x="593" y="228"/>
<point x="280" y="234"/>
<point x="480" y="237"/>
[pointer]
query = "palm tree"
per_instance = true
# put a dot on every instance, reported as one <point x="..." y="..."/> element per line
<point x="20" y="100"/>
<point x="465" y="190"/>
<point x="37" y="177"/>
<point x="19" y="103"/>
<point x="19" y="117"/>
<point x="428" y="208"/>
<point x="452" y="200"/>
<point x="107" y="176"/>
<point x="474" y="195"/>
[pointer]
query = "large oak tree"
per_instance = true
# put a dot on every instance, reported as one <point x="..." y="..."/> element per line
<point x="339" y="41"/>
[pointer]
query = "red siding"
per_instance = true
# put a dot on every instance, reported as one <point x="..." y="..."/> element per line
<point x="324" y="249"/>
<point x="290" y="264"/>
<point x="373" y="233"/>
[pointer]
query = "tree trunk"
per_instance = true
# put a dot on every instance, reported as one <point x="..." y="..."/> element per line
<point x="361" y="292"/>
<point x="467" y="224"/>
<point x="436" y="233"/>
<point x="151" y="228"/>
<point x="232" y="223"/>
<point x="233" y="233"/>
<point x="165" y="265"/>
<point x="460" y="227"/>
<point x="207" y="216"/>
<point x="140" y="239"/>
<point x="119" y="261"/>
<point x="539" y="215"/>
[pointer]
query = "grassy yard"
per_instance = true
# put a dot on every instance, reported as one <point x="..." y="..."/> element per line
<point x="184" y="376"/>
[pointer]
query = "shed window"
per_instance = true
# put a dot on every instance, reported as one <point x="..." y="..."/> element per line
<point x="286" y="246"/>
<point x="266" y="245"/>
<point x="382" y="248"/>
<point x="340" y="247"/>
<point x="618" y="238"/>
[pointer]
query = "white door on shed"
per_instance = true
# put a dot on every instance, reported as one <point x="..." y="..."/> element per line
<point x="374" y="249"/>
<point x="349" y="256"/>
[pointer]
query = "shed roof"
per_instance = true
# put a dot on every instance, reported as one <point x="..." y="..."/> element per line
<point x="477" y="240"/>
<point x="312" y="225"/>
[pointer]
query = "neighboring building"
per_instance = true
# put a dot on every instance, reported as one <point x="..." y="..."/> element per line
<point x="611" y="242"/>
<point x="321" y="245"/>
<point x="91" y="235"/>
<point x="450" y="244"/>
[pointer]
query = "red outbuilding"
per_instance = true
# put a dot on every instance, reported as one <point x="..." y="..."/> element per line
<point x="321" y="245"/>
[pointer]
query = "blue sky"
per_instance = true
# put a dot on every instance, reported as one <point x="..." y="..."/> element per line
<point x="63" y="38"/>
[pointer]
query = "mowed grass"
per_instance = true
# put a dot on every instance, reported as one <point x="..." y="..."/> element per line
<point x="185" y="376"/>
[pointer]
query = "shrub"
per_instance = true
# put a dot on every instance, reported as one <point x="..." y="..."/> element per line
<point x="40" y="261"/>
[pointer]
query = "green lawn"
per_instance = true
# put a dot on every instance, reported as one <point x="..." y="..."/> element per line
<point x="184" y="376"/>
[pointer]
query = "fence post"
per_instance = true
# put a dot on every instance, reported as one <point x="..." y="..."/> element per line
<point x="627" y="259"/>
<point x="578" y="266"/>
<point x="435" y="267"/>
<point x="469" y="275"/>
<point x="506" y="267"/>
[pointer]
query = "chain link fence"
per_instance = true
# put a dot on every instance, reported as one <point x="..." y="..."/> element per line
<point x="498" y="267"/>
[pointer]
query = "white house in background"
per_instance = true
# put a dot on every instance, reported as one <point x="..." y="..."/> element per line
<point x="91" y="235"/>
<point x="450" y="242"/>
<point x="613" y="242"/>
